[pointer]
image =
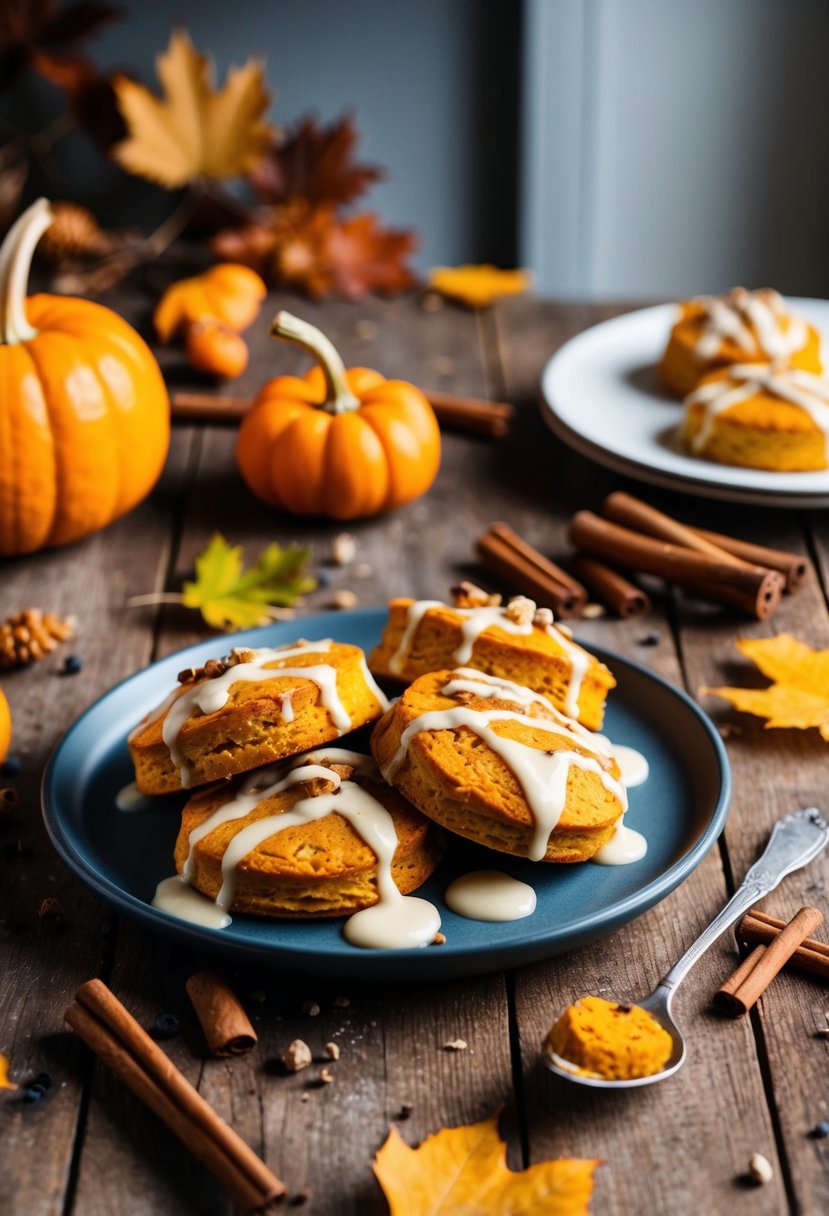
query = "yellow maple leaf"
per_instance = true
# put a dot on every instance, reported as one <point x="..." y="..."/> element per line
<point x="799" y="693"/>
<point x="478" y="286"/>
<point x="193" y="130"/>
<point x="5" y="1083"/>
<point x="462" y="1171"/>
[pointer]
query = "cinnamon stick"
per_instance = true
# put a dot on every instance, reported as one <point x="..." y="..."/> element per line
<point x="505" y="552"/>
<point x="634" y="513"/>
<point x="470" y="414"/>
<point x="754" y="589"/>
<point x="100" y="1019"/>
<point x="811" y="955"/>
<point x="795" y="568"/>
<point x="226" y="1026"/>
<point x="612" y="588"/>
<point x="751" y="979"/>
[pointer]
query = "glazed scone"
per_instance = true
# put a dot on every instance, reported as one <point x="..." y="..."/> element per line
<point x="234" y="847"/>
<point x="740" y="327"/>
<point x="760" y="416"/>
<point x="254" y="708"/>
<point x="516" y="641"/>
<point x="499" y="764"/>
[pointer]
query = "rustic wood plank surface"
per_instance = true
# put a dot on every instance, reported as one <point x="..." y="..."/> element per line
<point x="756" y="1085"/>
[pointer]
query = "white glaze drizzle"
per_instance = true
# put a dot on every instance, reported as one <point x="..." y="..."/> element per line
<point x="396" y="921"/>
<point x="130" y="800"/>
<point x="480" y="684"/>
<point x="744" y="380"/>
<point x="176" y="897"/>
<point x="490" y="895"/>
<point x="755" y="321"/>
<point x="542" y="777"/>
<point x="624" y="847"/>
<point x="474" y="621"/>
<point x="634" y="766"/>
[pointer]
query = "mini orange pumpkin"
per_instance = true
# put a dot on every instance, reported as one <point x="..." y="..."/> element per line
<point x="84" y="413"/>
<point x="5" y="726"/>
<point x="337" y="443"/>
<point x="229" y="293"/>
<point x="215" y="349"/>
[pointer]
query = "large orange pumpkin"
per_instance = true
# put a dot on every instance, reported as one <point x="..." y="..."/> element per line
<point x="5" y="726"/>
<point x="84" y="413"/>
<point x="337" y="443"/>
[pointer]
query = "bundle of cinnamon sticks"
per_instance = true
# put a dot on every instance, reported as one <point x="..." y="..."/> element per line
<point x="630" y="536"/>
<point x="776" y="943"/>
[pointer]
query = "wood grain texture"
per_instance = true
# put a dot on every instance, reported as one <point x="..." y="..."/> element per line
<point x="753" y="1086"/>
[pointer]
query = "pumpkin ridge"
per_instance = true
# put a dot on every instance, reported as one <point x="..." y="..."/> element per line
<point x="91" y="516"/>
<point x="26" y="535"/>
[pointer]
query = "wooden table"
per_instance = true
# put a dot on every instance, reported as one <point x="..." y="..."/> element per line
<point x="756" y="1085"/>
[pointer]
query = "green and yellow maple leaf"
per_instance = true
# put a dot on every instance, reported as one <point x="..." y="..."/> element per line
<point x="463" y="1171"/>
<point x="230" y="597"/>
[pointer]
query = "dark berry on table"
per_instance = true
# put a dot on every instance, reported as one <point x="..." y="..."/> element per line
<point x="166" y="1026"/>
<point x="821" y="1130"/>
<point x="72" y="664"/>
<point x="44" y="1080"/>
<point x="33" y="1093"/>
<point x="650" y="639"/>
<point x="11" y="766"/>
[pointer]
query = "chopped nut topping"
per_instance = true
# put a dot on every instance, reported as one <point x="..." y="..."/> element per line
<point x="344" y="600"/>
<point x="214" y="668"/>
<point x="344" y="549"/>
<point x="241" y="654"/>
<point x="592" y="612"/>
<point x="326" y="1076"/>
<point x="332" y="1050"/>
<point x="760" y="1169"/>
<point x="49" y="907"/>
<point x="543" y="618"/>
<point x="189" y="674"/>
<point x="455" y="1045"/>
<point x="521" y="610"/>
<point x="311" y="1008"/>
<point x="439" y="939"/>
<point x="467" y="595"/>
<point x="297" y="1055"/>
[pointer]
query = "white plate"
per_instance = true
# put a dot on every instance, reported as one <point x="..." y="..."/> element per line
<point x="601" y="395"/>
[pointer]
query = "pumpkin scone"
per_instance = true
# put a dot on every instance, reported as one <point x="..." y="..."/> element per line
<point x="499" y="764"/>
<point x="515" y="640"/>
<point x="760" y="416"/>
<point x="321" y="835"/>
<point x="716" y="331"/>
<point x="253" y="708"/>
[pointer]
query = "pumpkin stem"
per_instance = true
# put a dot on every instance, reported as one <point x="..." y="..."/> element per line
<point x="339" y="398"/>
<point x="15" y="262"/>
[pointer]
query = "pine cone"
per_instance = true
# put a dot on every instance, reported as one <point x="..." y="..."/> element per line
<point x="32" y="634"/>
<point x="74" y="233"/>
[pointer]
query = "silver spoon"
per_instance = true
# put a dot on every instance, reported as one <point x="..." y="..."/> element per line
<point x="795" y="841"/>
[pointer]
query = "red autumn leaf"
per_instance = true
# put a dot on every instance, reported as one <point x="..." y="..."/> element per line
<point x="29" y="28"/>
<point x="315" y="163"/>
<point x="345" y="257"/>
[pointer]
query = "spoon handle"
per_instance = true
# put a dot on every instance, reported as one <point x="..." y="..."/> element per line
<point x="796" y="839"/>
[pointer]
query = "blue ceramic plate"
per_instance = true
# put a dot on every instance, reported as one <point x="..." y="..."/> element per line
<point x="681" y="809"/>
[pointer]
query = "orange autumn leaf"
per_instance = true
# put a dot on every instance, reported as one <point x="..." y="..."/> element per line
<point x="478" y="286"/>
<point x="799" y="693"/>
<point x="5" y="1083"/>
<point x="193" y="130"/>
<point x="463" y="1171"/>
<point x="325" y="255"/>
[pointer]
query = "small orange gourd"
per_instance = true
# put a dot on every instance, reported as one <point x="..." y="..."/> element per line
<point x="213" y="348"/>
<point x="229" y="293"/>
<point x="84" y="413"/>
<point x="337" y="443"/>
<point x="5" y="726"/>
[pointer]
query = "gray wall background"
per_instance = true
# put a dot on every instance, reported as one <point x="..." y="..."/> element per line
<point x="620" y="148"/>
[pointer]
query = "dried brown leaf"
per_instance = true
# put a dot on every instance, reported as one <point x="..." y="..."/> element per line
<point x="315" y="163"/>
